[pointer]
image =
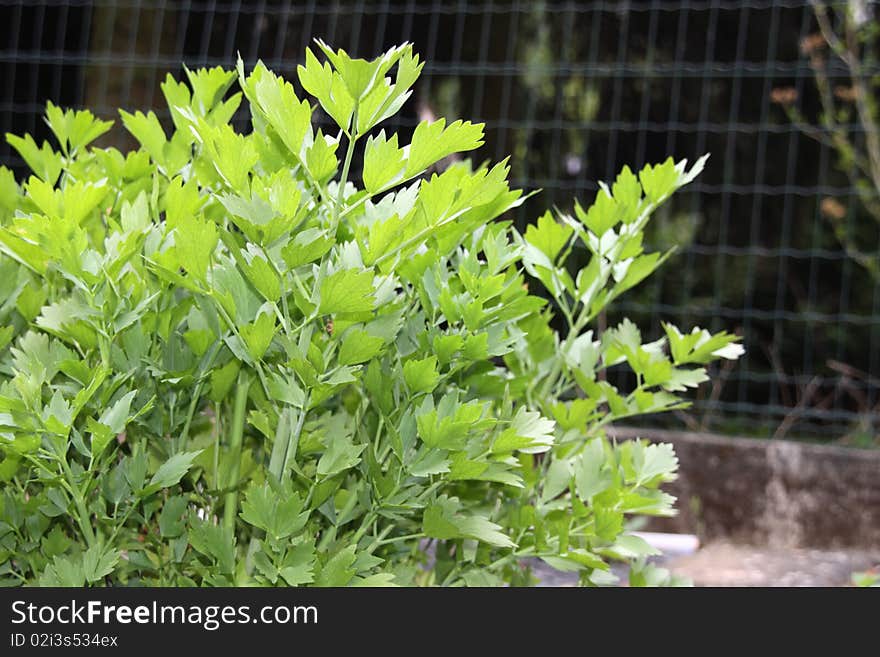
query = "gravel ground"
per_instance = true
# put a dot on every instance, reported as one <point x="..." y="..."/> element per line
<point x="729" y="565"/>
<point x="725" y="564"/>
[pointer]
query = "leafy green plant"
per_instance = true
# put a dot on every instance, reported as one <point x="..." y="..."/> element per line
<point x="230" y="359"/>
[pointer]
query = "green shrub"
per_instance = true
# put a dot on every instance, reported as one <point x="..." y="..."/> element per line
<point x="230" y="359"/>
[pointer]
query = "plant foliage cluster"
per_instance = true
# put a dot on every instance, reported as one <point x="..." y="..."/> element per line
<point x="232" y="359"/>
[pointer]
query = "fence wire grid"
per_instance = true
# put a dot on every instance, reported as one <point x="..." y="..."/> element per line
<point x="572" y="91"/>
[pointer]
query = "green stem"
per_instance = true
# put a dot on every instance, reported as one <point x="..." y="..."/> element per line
<point x="281" y="451"/>
<point x="218" y="407"/>
<point x="556" y="370"/>
<point x="276" y="466"/>
<point x="293" y="443"/>
<point x="346" y="166"/>
<point x="369" y="196"/>
<point x="230" y="506"/>
<point x="232" y="327"/>
<point x="119" y="524"/>
<point x="197" y="393"/>
<point x="82" y="513"/>
<point x="398" y="539"/>
<point x="418" y="237"/>
<point x="365" y="525"/>
<point x="284" y="450"/>
<point x="279" y="445"/>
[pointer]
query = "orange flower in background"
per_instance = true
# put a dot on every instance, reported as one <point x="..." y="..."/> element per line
<point x="845" y="93"/>
<point x="812" y="43"/>
<point x="784" y="95"/>
<point x="832" y="208"/>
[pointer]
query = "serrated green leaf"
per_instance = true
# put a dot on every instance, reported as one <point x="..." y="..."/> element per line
<point x="171" y="523"/>
<point x="148" y="131"/>
<point x="627" y="194"/>
<point x="171" y="471"/>
<point x="680" y="380"/>
<point x="276" y="99"/>
<point x="63" y="571"/>
<point x="358" y="346"/>
<point x="659" y="181"/>
<point x="222" y="379"/>
<point x="279" y="517"/>
<point x="338" y="570"/>
<point x="655" y="461"/>
<point x="194" y="243"/>
<point x="261" y="274"/>
<point x="421" y="375"/>
<point x="299" y="565"/>
<point x="548" y="236"/>
<point x="321" y="157"/>
<point x="431" y="143"/>
<point x="590" y="474"/>
<point x="118" y="415"/>
<point x="340" y="455"/>
<point x="602" y="215"/>
<point x="259" y="333"/>
<point x="215" y="542"/>
<point x="43" y="161"/>
<point x="309" y="245"/>
<point x="98" y="562"/>
<point x="347" y="291"/>
<point x="529" y="433"/>
<point x="74" y="129"/>
<point x="384" y="163"/>
<point x="442" y="520"/>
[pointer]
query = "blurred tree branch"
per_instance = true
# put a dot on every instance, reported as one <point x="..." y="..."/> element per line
<point x="849" y="121"/>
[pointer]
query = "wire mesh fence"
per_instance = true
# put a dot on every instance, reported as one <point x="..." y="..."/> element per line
<point x="572" y="91"/>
